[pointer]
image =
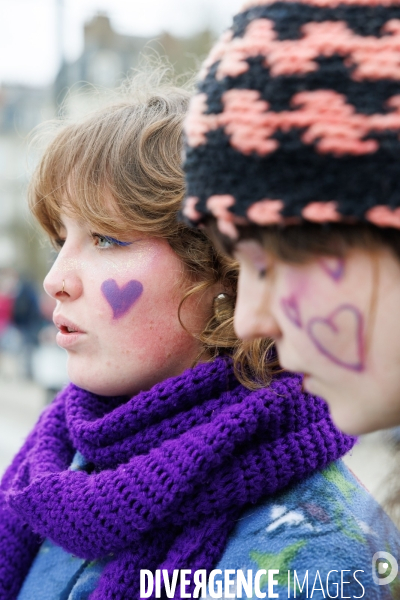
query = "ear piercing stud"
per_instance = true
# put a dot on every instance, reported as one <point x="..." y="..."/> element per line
<point x="223" y="307"/>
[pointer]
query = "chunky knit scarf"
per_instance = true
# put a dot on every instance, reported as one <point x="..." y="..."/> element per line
<point x="169" y="472"/>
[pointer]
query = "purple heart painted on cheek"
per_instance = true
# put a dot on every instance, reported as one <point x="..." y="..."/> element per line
<point x="121" y="299"/>
<point x="339" y="337"/>
<point x="291" y="310"/>
<point x="334" y="267"/>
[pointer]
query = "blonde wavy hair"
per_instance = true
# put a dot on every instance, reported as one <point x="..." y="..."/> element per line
<point x="131" y="148"/>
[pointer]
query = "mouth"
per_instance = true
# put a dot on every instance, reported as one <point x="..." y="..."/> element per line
<point x="68" y="332"/>
<point x="65" y="326"/>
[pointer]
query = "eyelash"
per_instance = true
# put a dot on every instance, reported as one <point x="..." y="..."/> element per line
<point x="59" y="243"/>
<point x="109" y="239"/>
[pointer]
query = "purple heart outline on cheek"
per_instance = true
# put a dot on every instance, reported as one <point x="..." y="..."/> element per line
<point x="291" y="309"/>
<point x="121" y="299"/>
<point x="339" y="337"/>
<point x="334" y="267"/>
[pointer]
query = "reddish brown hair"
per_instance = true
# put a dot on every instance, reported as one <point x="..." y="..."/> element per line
<point x="131" y="149"/>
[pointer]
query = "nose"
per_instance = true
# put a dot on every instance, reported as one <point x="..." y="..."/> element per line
<point x="253" y="315"/>
<point x="259" y="324"/>
<point x="63" y="281"/>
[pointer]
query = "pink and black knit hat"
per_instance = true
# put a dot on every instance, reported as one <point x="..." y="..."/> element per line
<point x="297" y="117"/>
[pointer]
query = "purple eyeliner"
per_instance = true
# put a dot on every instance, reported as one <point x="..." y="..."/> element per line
<point x="114" y="241"/>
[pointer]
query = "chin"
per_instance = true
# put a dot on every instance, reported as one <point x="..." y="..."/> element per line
<point x="350" y="419"/>
<point x="100" y="389"/>
<point x="95" y="383"/>
<point x="90" y="386"/>
<point x="346" y="416"/>
<point x="103" y="383"/>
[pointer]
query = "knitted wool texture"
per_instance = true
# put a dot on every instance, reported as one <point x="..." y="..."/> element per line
<point x="169" y="472"/>
<point x="297" y="117"/>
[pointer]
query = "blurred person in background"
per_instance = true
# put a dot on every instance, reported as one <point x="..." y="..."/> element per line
<point x="10" y="336"/>
<point x="174" y="444"/>
<point x="21" y="320"/>
<point x="293" y="165"/>
<point x="28" y="318"/>
<point x="8" y="286"/>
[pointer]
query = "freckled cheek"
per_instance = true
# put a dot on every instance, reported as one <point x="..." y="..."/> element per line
<point x="141" y="303"/>
<point x="154" y="336"/>
<point x="97" y="309"/>
<point x="142" y="314"/>
<point x="100" y="307"/>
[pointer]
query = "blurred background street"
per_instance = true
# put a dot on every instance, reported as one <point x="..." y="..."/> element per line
<point x="20" y="405"/>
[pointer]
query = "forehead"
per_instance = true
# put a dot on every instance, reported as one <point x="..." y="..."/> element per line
<point x="69" y="219"/>
<point x="251" y="248"/>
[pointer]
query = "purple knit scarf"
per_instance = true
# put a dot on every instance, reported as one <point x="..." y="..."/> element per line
<point x="170" y="472"/>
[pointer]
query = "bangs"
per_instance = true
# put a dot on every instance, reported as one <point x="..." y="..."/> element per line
<point x="118" y="170"/>
<point x="75" y="177"/>
<point x="299" y="244"/>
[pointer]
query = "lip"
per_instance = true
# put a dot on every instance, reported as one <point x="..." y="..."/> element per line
<point x="63" y="338"/>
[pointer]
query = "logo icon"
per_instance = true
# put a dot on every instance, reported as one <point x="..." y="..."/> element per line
<point x="384" y="568"/>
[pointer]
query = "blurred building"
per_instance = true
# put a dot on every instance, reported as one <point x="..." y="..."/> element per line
<point x="107" y="58"/>
<point x="21" y="109"/>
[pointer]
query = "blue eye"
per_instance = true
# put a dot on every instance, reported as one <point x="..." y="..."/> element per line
<point x="105" y="241"/>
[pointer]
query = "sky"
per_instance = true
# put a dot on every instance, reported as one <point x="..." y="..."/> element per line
<point x="30" y="43"/>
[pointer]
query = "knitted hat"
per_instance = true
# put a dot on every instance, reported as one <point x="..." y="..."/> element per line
<point x="297" y="117"/>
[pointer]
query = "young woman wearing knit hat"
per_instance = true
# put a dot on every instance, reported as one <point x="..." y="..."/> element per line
<point x="293" y="160"/>
<point x="152" y="456"/>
